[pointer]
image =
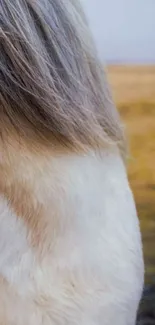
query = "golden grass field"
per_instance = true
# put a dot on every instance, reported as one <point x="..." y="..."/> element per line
<point x="134" y="93"/>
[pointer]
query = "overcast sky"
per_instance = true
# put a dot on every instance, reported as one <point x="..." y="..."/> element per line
<point x="124" y="29"/>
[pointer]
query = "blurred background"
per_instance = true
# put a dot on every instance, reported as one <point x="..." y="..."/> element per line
<point x="124" y="31"/>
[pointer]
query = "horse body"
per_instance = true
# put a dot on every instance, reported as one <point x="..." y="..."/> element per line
<point x="70" y="246"/>
<point x="79" y="261"/>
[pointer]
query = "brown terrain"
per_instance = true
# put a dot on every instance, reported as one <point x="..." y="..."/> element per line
<point x="134" y="93"/>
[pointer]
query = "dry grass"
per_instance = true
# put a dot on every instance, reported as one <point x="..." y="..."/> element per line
<point x="133" y="83"/>
<point x="134" y="93"/>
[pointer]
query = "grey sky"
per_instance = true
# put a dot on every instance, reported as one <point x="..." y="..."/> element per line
<point x="124" y="29"/>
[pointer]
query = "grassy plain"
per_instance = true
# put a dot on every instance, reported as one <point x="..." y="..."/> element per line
<point x="134" y="93"/>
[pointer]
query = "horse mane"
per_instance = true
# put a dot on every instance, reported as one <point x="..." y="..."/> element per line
<point x="52" y="85"/>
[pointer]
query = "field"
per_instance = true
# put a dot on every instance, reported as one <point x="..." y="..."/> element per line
<point x="134" y="93"/>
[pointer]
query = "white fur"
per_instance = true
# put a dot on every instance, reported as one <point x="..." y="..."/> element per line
<point x="16" y="258"/>
<point x="92" y="273"/>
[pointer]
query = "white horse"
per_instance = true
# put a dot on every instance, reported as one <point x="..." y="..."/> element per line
<point x="70" y="245"/>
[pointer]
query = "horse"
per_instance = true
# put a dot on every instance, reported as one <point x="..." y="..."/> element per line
<point x="70" y="243"/>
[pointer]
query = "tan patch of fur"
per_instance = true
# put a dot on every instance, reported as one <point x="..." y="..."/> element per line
<point x="23" y="204"/>
<point x="20" y="173"/>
